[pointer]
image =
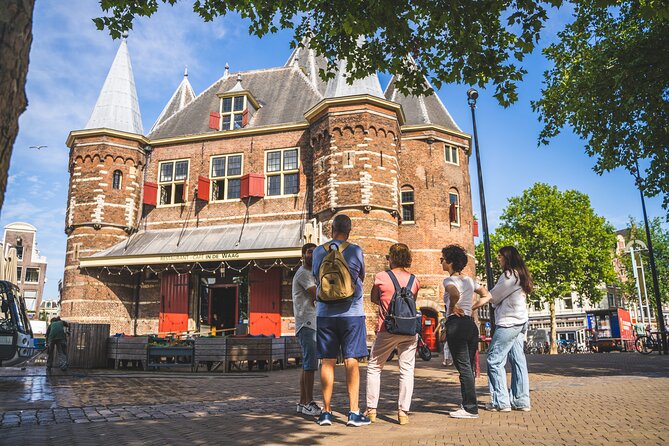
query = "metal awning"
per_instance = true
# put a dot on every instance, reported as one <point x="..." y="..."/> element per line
<point x="268" y="240"/>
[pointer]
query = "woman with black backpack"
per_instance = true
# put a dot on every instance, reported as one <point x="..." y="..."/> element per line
<point x="391" y="336"/>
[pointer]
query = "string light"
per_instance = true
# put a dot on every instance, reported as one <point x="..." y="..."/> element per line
<point x="189" y="269"/>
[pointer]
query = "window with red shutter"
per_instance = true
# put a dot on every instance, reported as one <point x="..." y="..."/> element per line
<point x="214" y="120"/>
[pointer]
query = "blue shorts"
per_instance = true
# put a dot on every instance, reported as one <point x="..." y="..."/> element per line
<point x="345" y="334"/>
<point x="307" y="338"/>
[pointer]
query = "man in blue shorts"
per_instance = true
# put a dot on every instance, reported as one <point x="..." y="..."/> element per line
<point x="341" y="326"/>
<point x="304" y="309"/>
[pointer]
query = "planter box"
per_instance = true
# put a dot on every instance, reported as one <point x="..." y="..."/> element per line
<point x="127" y="348"/>
<point x="171" y="355"/>
<point x="255" y="349"/>
<point x="292" y="350"/>
<point x="210" y="350"/>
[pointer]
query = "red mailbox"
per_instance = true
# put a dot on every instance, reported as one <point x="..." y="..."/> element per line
<point x="150" y="193"/>
<point x="253" y="185"/>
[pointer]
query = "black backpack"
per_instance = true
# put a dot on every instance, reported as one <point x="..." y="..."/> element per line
<point x="402" y="317"/>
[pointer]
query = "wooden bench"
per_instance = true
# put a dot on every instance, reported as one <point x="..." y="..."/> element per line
<point x="128" y="348"/>
<point x="211" y="351"/>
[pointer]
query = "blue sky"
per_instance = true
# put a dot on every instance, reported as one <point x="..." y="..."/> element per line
<point x="70" y="59"/>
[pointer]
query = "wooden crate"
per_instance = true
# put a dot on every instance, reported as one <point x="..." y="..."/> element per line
<point x="251" y="349"/>
<point x="210" y="351"/>
<point x="127" y="348"/>
<point x="293" y="350"/>
<point x="156" y="353"/>
<point x="87" y="345"/>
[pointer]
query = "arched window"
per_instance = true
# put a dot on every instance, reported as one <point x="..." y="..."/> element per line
<point x="454" y="207"/>
<point x="116" y="179"/>
<point x="407" y="200"/>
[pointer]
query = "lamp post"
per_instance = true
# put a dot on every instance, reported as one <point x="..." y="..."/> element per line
<point x="651" y="257"/>
<point x="472" y="96"/>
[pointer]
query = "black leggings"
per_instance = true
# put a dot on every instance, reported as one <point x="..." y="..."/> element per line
<point x="462" y="337"/>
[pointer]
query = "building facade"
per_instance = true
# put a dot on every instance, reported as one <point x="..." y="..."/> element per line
<point x="31" y="266"/>
<point x="208" y="212"/>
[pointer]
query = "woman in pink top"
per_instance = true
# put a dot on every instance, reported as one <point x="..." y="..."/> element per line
<point x="399" y="258"/>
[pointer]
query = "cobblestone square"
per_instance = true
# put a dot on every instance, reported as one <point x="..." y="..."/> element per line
<point x="584" y="399"/>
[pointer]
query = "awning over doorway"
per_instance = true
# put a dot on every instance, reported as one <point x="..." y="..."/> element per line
<point x="268" y="240"/>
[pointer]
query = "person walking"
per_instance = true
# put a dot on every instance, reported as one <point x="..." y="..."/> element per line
<point x="304" y="309"/>
<point x="462" y="334"/>
<point x="399" y="258"/>
<point x="56" y="339"/>
<point x="509" y="299"/>
<point x="340" y="324"/>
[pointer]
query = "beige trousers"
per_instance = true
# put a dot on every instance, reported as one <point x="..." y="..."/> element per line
<point x="383" y="346"/>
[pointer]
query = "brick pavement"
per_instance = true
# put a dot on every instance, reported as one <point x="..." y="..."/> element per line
<point x="577" y="399"/>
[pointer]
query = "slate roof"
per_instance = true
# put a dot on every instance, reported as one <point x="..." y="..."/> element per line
<point x="310" y="63"/>
<point x="117" y="107"/>
<point x="421" y="109"/>
<point x="284" y="94"/>
<point x="210" y="239"/>
<point x="182" y="96"/>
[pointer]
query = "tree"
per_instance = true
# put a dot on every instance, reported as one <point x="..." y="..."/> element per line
<point x="15" y="40"/>
<point x="610" y="84"/>
<point x="468" y="42"/>
<point x="660" y="239"/>
<point x="567" y="247"/>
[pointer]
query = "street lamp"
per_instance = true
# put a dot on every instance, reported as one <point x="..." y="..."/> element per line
<point x="651" y="257"/>
<point x="472" y="96"/>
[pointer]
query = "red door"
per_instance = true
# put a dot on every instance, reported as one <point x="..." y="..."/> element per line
<point x="173" y="302"/>
<point x="265" y="302"/>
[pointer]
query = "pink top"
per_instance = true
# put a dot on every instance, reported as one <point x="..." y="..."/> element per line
<point x="386" y="290"/>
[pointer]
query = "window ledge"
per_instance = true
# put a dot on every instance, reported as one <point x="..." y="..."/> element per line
<point x="408" y="223"/>
<point x="271" y="197"/>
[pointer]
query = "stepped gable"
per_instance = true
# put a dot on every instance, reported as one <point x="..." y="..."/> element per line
<point x="310" y="63"/>
<point x="421" y="109"/>
<point x="117" y="107"/>
<point x="283" y="93"/>
<point x="182" y="96"/>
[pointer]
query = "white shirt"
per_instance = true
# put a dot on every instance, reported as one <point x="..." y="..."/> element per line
<point x="509" y="301"/>
<point x="466" y="286"/>
<point x="303" y="306"/>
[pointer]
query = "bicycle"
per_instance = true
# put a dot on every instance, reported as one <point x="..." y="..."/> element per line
<point x="646" y="344"/>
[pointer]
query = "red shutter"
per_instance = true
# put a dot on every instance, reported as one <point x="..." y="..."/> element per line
<point x="245" y="118"/>
<point x="203" y="188"/>
<point x="214" y="120"/>
<point x="475" y="228"/>
<point x="253" y="185"/>
<point x="452" y="213"/>
<point x="150" y="193"/>
<point x="184" y="194"/>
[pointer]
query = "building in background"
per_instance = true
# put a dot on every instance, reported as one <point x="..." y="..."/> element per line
<point x="31" y="269"/>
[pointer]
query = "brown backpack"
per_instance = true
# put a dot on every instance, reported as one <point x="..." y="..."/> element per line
<point x="335" y="277"/>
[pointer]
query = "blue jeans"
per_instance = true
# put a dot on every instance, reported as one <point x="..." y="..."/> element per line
<point x="508" y="342"/>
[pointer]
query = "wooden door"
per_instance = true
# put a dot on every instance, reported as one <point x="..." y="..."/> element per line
<point x="265" y="302"/>
<point x="173" y="302"/>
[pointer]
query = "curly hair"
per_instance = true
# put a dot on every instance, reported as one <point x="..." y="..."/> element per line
<point x="400" y="255"/>
<point x="455" y="255"/>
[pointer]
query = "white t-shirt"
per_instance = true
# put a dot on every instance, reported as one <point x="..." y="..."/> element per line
<point x="303" y="307"/>
<point x="466" y="286"/>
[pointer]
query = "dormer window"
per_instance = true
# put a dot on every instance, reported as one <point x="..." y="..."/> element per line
<point x="234" y="113"/>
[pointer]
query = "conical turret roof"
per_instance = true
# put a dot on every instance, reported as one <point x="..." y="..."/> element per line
<point x="117" y="107"/>
<point x="338" y="86"/>
<point x="310" y="63"/>
<point x="183" y="95"/>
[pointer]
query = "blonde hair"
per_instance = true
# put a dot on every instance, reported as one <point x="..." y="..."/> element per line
<point x="400" y="255"/>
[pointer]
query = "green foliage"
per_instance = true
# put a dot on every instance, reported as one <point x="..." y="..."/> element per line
<point x="566" y="246"/>
<point x="476" y="43"/>
<point x="660" y="239"/>
<point x="610" y="84"/>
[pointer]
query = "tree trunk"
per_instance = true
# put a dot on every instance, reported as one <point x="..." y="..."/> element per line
<point x="553" y="328"/>
<point x="16" y="21"/>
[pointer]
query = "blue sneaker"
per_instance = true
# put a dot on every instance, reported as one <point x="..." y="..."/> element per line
<point x="325" y="419"/>
<point x="357" y="419"/>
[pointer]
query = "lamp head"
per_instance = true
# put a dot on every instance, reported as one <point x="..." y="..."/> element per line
<point x="472" y="96"/>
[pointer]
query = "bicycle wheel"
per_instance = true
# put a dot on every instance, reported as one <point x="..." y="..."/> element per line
<point x="644" y="345"/>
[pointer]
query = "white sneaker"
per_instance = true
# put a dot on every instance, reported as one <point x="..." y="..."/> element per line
<point x="461" y="413"/>
<point x="491" y="408"/>
<point x="522" y="409"/>
<point x="299" y="407"/>
<point x="311" y="409"/>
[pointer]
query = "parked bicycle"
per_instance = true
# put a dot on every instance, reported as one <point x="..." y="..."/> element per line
<point x="646" y="344"/>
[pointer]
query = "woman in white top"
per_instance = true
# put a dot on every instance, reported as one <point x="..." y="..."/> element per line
<point x="462" y="334"/>
<point x="509" y="299"/>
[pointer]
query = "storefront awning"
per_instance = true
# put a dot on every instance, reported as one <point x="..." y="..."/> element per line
<point x="270" y="240"/>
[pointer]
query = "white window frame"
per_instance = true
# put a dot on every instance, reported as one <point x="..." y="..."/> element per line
<point x="451" y="152"/>
<point x="452" y="192"/>
<point x="411" y="203"/>
<point x="282" y="173"/>
<point x="173" y="182"/>
<point x="232" y="111"/>
<point x="225" y="177"/>
<point x="31" y="281"/>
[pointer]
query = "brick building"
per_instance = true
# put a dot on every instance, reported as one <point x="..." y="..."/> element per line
<point x="207" y="213"/>
<point x="31" y="266"/>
